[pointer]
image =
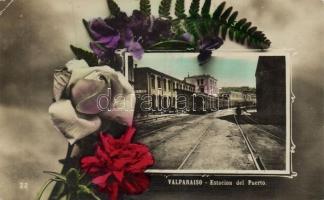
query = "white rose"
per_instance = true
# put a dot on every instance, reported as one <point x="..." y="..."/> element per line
<point x="90" y="99"/>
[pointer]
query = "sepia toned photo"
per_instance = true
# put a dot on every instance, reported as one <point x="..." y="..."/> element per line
<point x="232" y="116"/>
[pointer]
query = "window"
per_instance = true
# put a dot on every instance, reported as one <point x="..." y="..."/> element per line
<point x="169" y="85"/>
<point x="202" y="89"/>
<point x="159" y="82"/>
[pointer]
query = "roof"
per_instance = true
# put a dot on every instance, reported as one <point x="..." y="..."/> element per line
<point x="202" y="76"/>
<point x="270" y="63"/>
<point x="148" y="69"/>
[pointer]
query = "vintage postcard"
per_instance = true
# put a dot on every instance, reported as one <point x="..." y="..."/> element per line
<point x="161" y="100"/>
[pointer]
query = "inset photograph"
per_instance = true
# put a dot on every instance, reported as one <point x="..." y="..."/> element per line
<point x="229" y="116"/>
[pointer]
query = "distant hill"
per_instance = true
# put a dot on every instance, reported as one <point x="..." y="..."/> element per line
<point x="238" y="89"/>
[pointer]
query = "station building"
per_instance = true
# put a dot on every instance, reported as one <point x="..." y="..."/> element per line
<point x="157" y="91"/>
<point x="204" y="84"/>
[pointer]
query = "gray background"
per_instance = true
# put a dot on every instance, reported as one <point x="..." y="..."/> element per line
<point x="35" y="36"/>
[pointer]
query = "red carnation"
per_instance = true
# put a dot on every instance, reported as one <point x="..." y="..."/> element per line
<point x="118" y="165"/>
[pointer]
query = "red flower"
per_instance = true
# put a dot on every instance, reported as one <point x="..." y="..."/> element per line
<point x="118" y="165"/>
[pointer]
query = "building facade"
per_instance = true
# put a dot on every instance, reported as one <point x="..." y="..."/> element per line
<point x="271" y="89"/>
<point x="204" y="84"/>
<point x="157" y="91"/>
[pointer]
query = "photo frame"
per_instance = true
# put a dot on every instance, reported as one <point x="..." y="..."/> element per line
<point x="289" y="146"/>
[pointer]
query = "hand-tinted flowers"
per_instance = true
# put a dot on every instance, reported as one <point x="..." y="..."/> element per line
<point x="118" y="165"/>
<point x="104" y="34"/>
<point x="89" y="99"/>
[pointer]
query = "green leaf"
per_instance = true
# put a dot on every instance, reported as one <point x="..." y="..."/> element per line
<point x="164" y="8"/>
<point x="191" y="27"/>
<point x="56" y="175"/>
<point x="180" y="9"/>
<point x="226" y="14"/>
<point x="86" y="25"/>
<point x="218" y="11"/>
<point x="232" y="18"/>
<point x="72" y="178"/>
<point x="246" y="26"/>
<point x="40" y="194"/>
<point x="85" y="192"/>
<point x="224" y="31"/>
<point x="252" y="30"/>
<point x="172" y="44"/>
<point x="194" y="8"/>
<point x="203" y="26"/>
<point x="145" y="7"/>
<point x="205" y="9"/>
<point x="231" y="33"/>
<point x="89" y="57"/>
<point x="113" y="7"/>
<point x="240" y="23"/>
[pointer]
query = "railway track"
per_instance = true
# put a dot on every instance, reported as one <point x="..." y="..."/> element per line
<point x="257" y="161"/>
<point x="193" y="149"/>
<point x="153" y="127"/>
<point x="257" y="126"/>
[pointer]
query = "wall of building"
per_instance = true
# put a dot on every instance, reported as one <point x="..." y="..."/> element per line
<point x="271" y="89"/>
<point x="204" y="84"/>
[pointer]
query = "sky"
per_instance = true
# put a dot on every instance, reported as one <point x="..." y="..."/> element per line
<point x="229" y="71"/>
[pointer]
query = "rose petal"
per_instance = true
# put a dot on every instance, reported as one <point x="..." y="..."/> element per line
<point x="74" y="126"/>
<point x="135" y="183"/>
<point x="119" y="175"/>
<point x="86" y="95"/>
<point x="127" y="137"/>
<point x="122" y="109"/>
<point x="61" y="79"/>
<point x="76" y="64"/>
<point x="101" y="181"/>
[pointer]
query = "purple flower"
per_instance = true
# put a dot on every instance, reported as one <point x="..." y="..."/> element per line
<point x="139" y="23"/>
<point x="210" y="43"/>
<point x="136" y="49"/>
<point x="102" y="53"/>
<point x="187" y="37"/>
<point x="206" y="46"/>
<point x="104" y="34"/>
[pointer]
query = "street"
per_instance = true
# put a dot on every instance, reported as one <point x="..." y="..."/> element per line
<point x="212" y="141"/>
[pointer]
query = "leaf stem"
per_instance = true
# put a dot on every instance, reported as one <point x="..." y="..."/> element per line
<point x="59" y="186"/>
<point x="40" y="194"/>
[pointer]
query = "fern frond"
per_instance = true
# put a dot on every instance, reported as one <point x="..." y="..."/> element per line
<point x="191" y="27"/>
<point x="180" y="9"/>
<point x="226" y="14"/>
<point x="145" y="7"/>
<point x="205" y="9"/>
<point x="164" y="8"/>
<point x="232" y="18"/>
<point x="218" y="11"/>
<point x="240" y="31"/>
<point x="113" y="7"/>
<point x="194" y="8"/>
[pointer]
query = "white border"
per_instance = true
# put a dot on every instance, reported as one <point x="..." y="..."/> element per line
<point x="290" y="146"/>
